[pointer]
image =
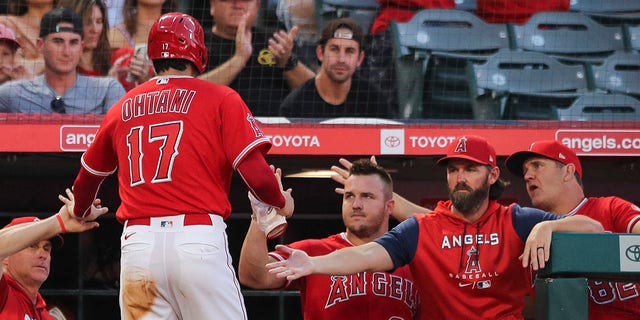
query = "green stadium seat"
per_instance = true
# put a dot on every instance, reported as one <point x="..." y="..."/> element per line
<point x="620" y="73"/>
<point x="431" y="54"/>
<point x="527" y="85"/>
<point x="569" y="36"/>
<point x="605" y="6"/>
<point x="634" y="37"/>
<point x="601" y="106"/>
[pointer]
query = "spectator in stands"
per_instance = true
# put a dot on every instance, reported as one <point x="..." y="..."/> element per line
<point x="96" y="52"/>
<point x="458" y="245"/>
<point x="262" y="69"/>
<point x="25" y="252"/>
<point x="516" y="11"/>
<point x="366" y="206"/>
<point x="131" y="35"/>
<point x="553" y="178"/>
<point x="24" y="18"/>
<point x="9" y="69"/>
<point x="60" y="89"/>
<point x="335" y="92"/>
<point x="404" y="10"/>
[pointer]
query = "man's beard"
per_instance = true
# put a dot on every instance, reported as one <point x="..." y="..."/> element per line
<point x="468" y="202"/>
<point x="338" y="79"/>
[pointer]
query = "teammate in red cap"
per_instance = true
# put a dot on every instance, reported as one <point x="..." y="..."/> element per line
<point x="553" y="178"/>
<point x="176" y="141"/>
<point x="466" y="251"/>
<point x="25" y="252"/>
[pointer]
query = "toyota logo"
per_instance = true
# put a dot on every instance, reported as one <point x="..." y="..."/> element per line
<point x="633" y="253"/>
<point x="392" y="141"/>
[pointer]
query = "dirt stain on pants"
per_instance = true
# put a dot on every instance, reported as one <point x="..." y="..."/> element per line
<point x="138" y="295"/>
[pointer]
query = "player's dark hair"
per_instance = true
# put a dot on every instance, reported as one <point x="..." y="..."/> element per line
<point x="364" y="167"/>
<point x="179" y="64"/>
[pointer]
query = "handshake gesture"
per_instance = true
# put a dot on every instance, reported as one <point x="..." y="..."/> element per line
<point x="271" y="220"/>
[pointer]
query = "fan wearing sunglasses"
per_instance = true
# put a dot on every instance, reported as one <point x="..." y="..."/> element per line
<point x="60" y="89"/>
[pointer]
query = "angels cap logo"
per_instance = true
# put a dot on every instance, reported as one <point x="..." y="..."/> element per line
<point x="461" y="147"/>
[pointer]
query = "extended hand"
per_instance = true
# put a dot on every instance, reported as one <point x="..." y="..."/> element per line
<point x="296" y="266"/>
<point x="71" y="223"/>
<point x="96" y="209"/>
<point x="343" y="173"/>
<point x="537" y="249"/>
<point x="281" y="45"/>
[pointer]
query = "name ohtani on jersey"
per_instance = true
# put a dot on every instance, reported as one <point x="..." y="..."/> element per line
<point x="164" y="101"/>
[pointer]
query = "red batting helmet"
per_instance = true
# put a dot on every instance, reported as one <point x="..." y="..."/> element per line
<point x="178" y="36"/>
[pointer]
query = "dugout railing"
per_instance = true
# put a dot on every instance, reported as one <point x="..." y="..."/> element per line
<point x="561" y="288"/>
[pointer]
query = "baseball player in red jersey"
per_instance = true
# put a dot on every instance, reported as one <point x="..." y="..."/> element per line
<point x="553" y="177"/>
<point x="366" y="207"/>
<point x="25" y="252"/>
<point x="464" y="254"/>
<point x="176" y="141"/>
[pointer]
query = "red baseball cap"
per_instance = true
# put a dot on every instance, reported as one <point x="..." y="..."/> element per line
<point x="7" y="35"/>
<point x="551" y="149"/>
<point x="472" y="148"/>
<point x="59" y="241"/>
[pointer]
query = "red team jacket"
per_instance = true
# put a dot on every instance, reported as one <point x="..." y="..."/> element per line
<point x="463" y="270"/>
<point x="609" y="300"/>
<point x="15" y="303"/>
<point x="209" y="124"/>
<point x="366" y="295"/>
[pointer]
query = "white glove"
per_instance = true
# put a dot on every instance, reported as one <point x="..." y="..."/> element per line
<point x="268" y="219"/>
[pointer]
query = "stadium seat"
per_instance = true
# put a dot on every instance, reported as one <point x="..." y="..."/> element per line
<point x="529" y="72"/>
<point x="361" y="11"/>
<point x="601" y="106"/>
<point x="527" y="85"/>
<point x="634" y="37"/>
<point x="620" y="72"/>
<point x="466" y="5"/>
<point x="569" y="36"/>
<point x="431" y="53"/>
<point x="604" y="5"/>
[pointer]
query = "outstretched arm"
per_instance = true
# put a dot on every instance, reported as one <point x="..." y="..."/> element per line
<point x="403" y="208"/>
<point x="18" y="237"/>
<point x="537" y="249"/>
<point x="253" y="258"/>
<point x="367" y="257"/>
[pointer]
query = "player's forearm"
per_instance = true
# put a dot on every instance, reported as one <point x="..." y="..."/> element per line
<point x="367" y="257"/>
<point x="85" y="188"/>
<point x="260" y="179"/>
<point x="253" y="258"/>
<point x="225" y="73"/>
<point x="16" y="238"/>
<point x="577" y="223"/>
<point x="404" y="208"/>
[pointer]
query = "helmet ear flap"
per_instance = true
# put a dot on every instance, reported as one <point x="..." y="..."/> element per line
<point x="176" y="35"/>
